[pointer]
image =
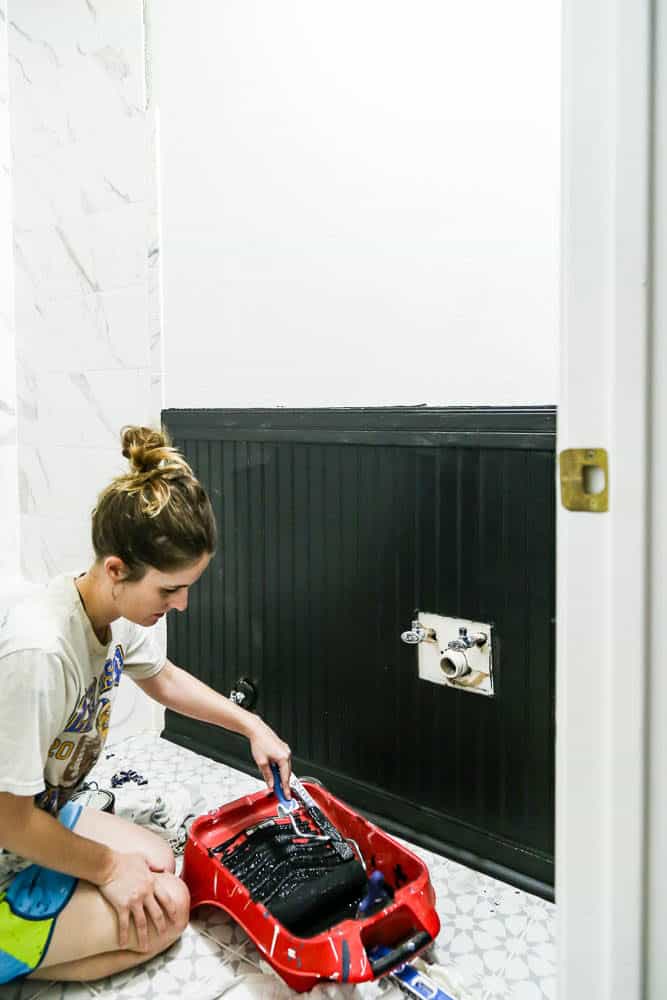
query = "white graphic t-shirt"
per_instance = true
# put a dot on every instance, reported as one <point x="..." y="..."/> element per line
<point x="58" y="683"/>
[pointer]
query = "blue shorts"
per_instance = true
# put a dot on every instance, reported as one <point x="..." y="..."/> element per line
<point x="29" y="907"/>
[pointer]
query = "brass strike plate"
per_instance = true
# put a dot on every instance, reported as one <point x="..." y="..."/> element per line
<point x="573" y="475"/>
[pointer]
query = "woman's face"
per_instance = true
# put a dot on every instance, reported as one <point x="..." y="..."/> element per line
<point x="147" y="600"/>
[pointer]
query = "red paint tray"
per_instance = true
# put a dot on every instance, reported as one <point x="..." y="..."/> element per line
<point x="351" y="950"/>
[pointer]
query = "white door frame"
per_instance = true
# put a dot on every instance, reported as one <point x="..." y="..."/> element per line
<point x="656" y="867"/>
<point x="602" y="593"/>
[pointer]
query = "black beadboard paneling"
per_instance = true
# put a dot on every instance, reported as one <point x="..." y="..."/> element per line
<point x="334" y="526"/>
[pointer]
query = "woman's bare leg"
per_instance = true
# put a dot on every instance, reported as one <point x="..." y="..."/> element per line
<point x="85" y="939"/>
<point x="84" y="944"/>
<point x="125" y="836"/>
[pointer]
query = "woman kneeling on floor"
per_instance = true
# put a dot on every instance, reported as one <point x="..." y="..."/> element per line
<point x="101" y="895"/>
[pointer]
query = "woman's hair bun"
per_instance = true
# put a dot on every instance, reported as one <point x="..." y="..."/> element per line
<point x="148" y="449"/>
<point x="157" y="514"/>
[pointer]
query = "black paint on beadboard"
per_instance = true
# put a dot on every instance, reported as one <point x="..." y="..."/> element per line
<point x="335" y="525"/>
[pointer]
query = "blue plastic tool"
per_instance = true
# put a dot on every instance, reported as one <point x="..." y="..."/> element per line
<point x="285" y="805"/>
<point x="416" y="984"/>
<point x="377" y="895"/>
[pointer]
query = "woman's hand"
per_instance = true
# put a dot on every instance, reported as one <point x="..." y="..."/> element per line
<point x="181" y="692"/>
<point x="265" y="747"/>
<point x="135" y="892"/>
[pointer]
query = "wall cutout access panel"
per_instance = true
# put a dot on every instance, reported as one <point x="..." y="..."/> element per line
<point x="335" y="525"/>
<point x="453" y="651"/>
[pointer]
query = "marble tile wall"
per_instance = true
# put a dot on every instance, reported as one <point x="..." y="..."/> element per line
<point x="86" y="261"/>
<point x="9" y="546"/>
<point x="86" y="276"/>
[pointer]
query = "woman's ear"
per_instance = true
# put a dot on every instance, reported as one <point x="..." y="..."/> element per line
<point x="115" y="569"/>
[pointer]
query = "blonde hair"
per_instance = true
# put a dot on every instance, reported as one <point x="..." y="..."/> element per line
<point x="156" y="515"/>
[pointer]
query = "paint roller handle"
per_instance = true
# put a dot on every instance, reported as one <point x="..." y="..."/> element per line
<point x="383" y="958"/>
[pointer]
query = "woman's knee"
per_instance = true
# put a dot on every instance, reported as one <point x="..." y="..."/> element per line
<point x="123" y="835"/>
<point x="182" y="902"/>
<point x="174" y="897"/>
<point x="161" y="857"/>
<point x="179" y="895"/>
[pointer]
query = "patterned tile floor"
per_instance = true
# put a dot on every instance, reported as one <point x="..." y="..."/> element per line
<point x="496" y="942"/>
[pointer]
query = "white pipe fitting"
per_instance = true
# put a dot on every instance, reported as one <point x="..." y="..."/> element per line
<point x="454" y="663"/>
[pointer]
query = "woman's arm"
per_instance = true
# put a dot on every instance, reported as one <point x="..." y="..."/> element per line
<point x="181" y="692"/>
<point x="38" y="836"/>
<point x="125" y="880"/>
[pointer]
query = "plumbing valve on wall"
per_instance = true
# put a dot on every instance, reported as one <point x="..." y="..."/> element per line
<point x="453" y="651"/>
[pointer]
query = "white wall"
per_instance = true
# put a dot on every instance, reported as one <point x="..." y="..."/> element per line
<point x="656" y="820"/>
<point x="359" y="201"/>
<point x="88" y="358"/>
<point x="9" y="516"/>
